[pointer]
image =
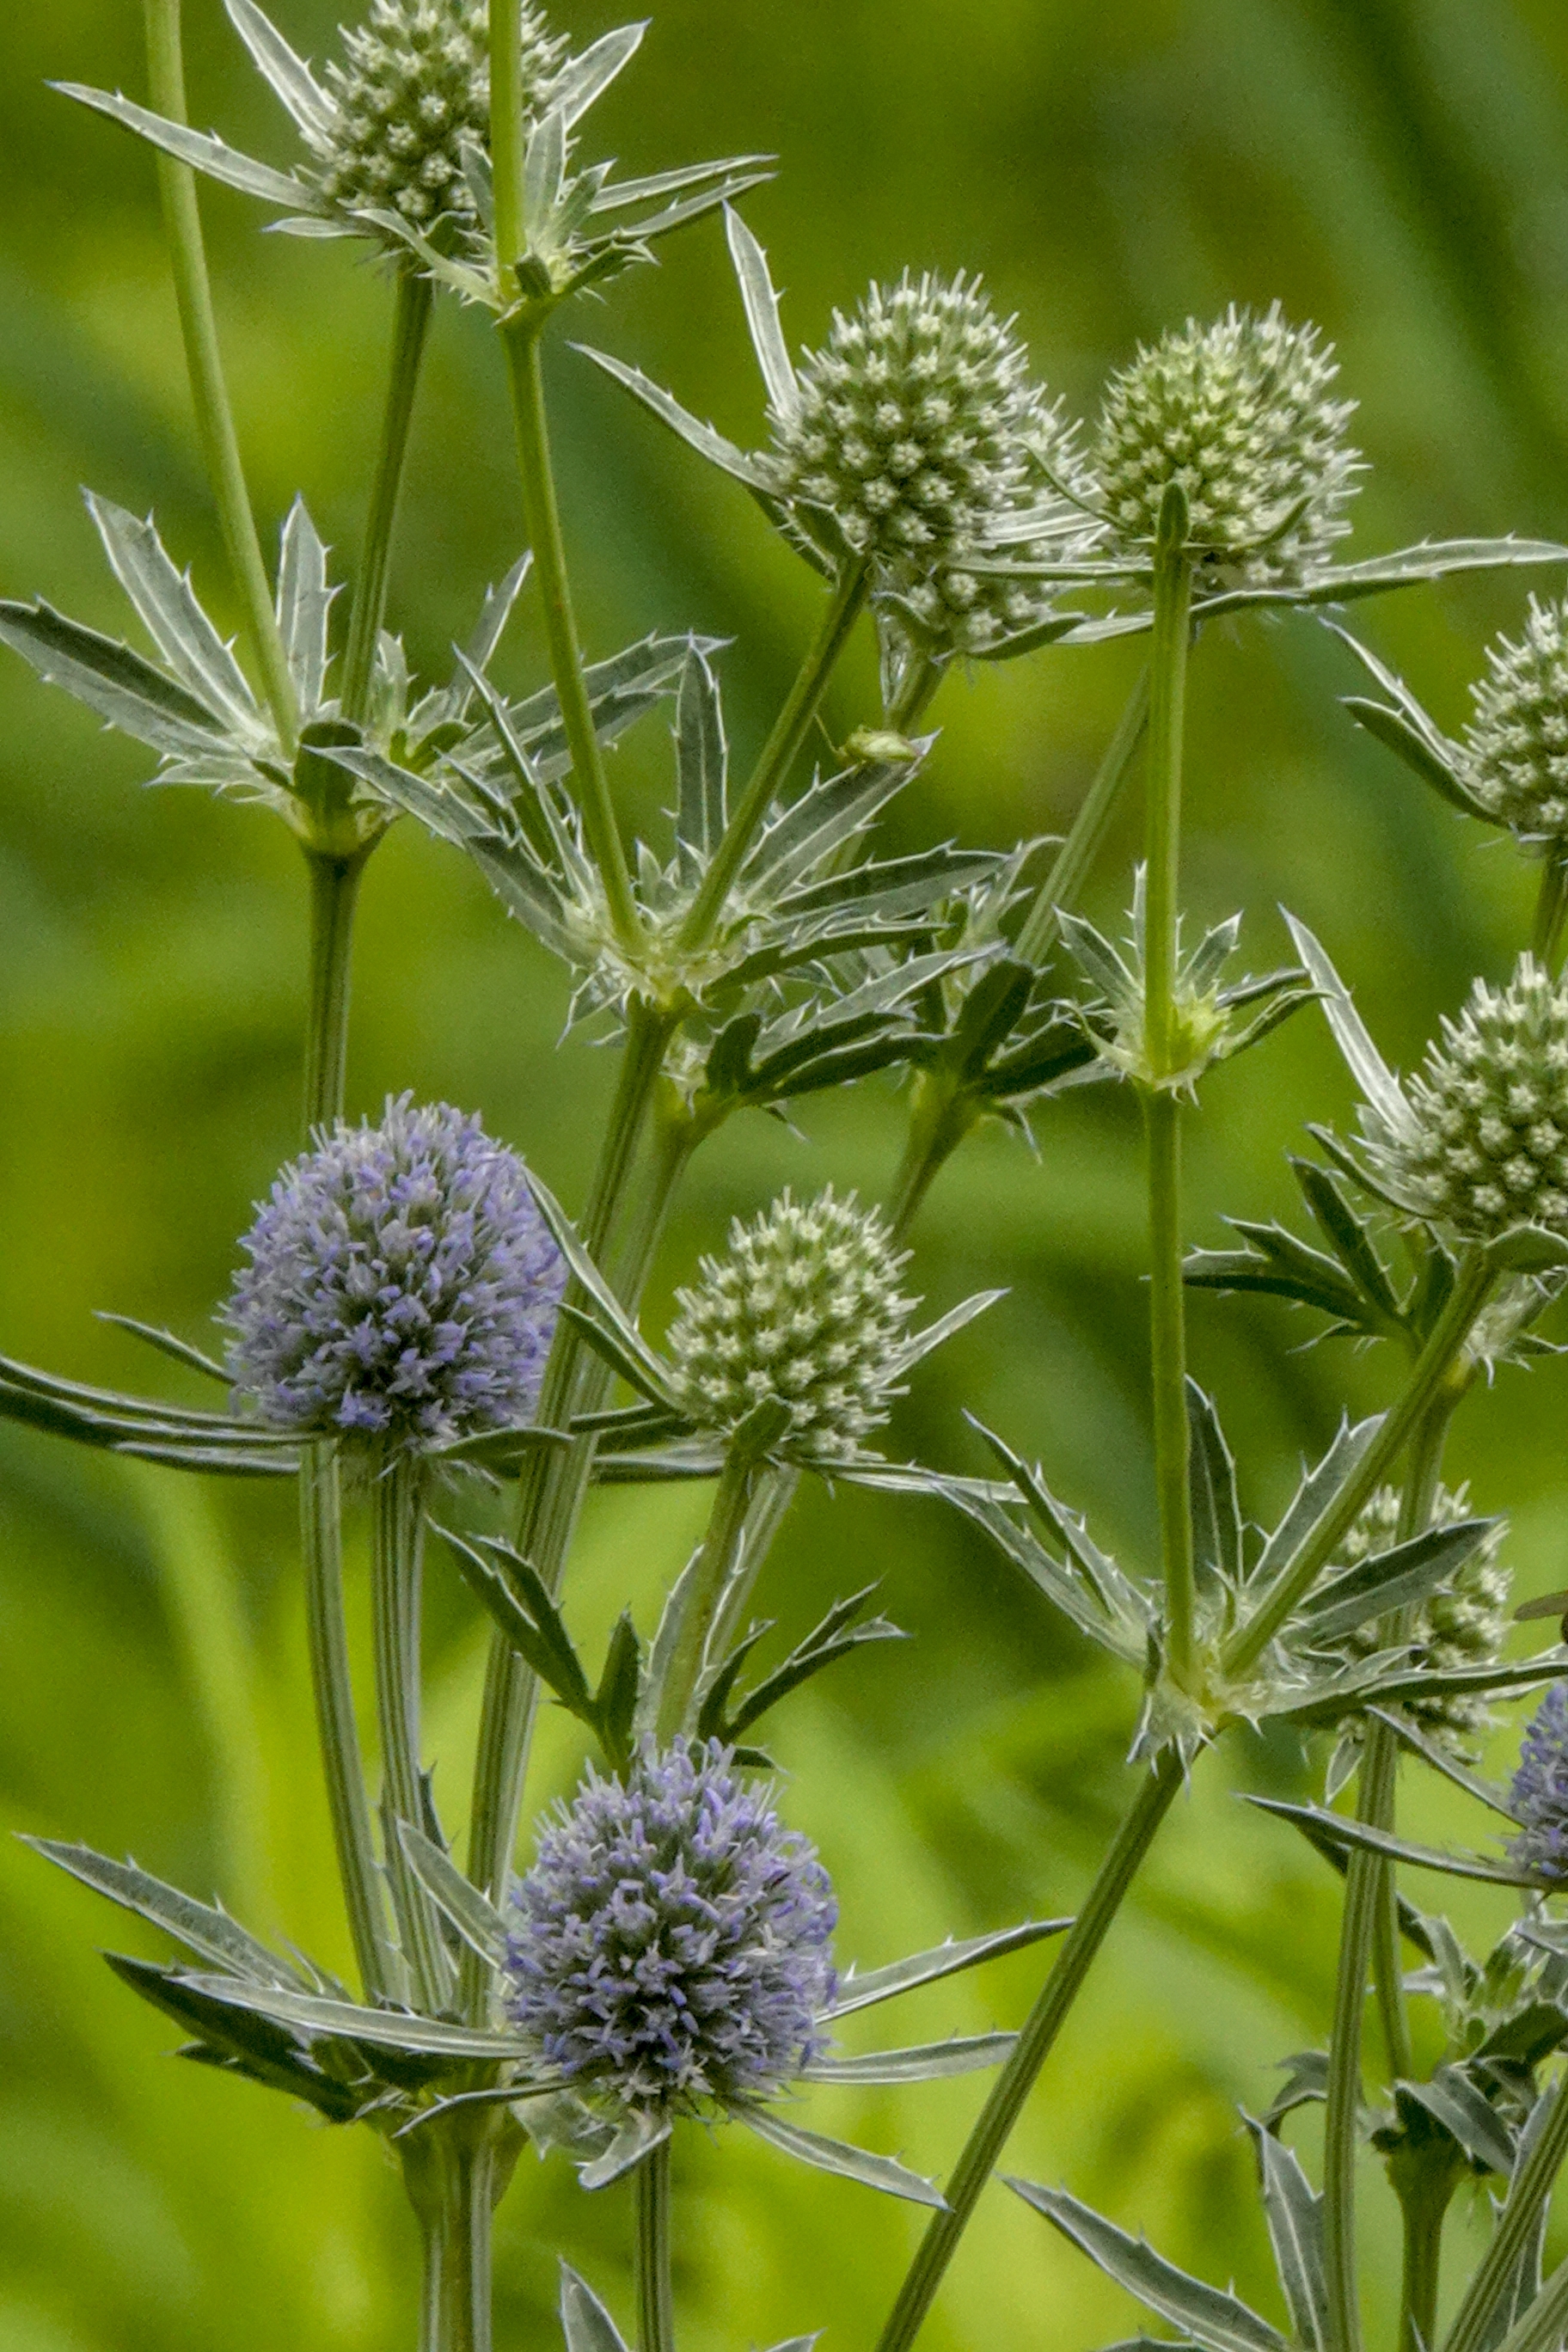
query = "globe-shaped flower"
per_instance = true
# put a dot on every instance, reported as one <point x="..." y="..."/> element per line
<point x="402" y="1287"/>
<point x="1463" y="1625"/>
<point x="1538" y="1798"/>
<point x="413" y="86"/>
<point x="1516" y="745"/>
<point x="1485" y="1143"/>
<point x="672" y="1945"/>
<point x="1239" y="413"/>
<point x="805" y="1311"/>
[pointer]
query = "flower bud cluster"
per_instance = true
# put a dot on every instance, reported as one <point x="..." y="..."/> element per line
<point x="805" y="1310"/>
<point x="1463" y="1625"/>
<point x="413" y="85"/>
<point x="1240" y="413"/>
<point x="1538" y="1797"/>
<point x="1487" y="1145"/>
<point x="1516" y="745"/>
<point x="673" y="1940"/>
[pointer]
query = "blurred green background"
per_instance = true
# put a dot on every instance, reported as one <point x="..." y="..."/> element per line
<point x="1396" y="169"/>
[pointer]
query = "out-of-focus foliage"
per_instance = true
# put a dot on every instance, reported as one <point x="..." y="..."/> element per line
<point x="1396" y="169"/>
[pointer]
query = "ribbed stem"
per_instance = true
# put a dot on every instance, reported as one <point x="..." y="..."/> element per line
<point x="1033" y="2047"/>
<point x="1490" y="2280"/>
<point x="1075" y="860"/>
<point x="209" y="391"/>
<point x="334" y="890"/>
<point x="410" y="319"/>
<point x="398" y="1535"/>
<point x="790" y="730"/>
<point x="655" y="2301"/>
<point x="705" y="1592"/>
<point x="772" y="1494"/>
<point x="590" y="777"/>
<point x="342" y="1760"/>
<point x="1340" y="2129"/>
<point x="1545" y="2324"/>
<point x="920" y="685"/>
<point x="451" y="2180"/>
<point x="1168" y="1372"/>
<point x="1424" y="2208"/>
<point x="507" y="136"/>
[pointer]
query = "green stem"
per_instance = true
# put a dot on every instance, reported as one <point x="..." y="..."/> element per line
<point x="209" y="391"/>
<point x="1085" y="837"/>
<point x="1340" y="2129"/>
<point x="1168" y="1361"/>
<point x="397" y="1532"/>
<point x="347" y="1801"/>
<point x="521" y="338"/>
<point x="772" y="1498"/>
<point x="1167" y="724"/>
<point x="789" y="732"/>
<point x="707" y="1582"/>
<point x="334" y="888"/>
<point x="942" y="1113"/>
<point x="1492" y="2279"/>
<point x="1550" y="906"/>
<point x="411" y="318"/>
<point x="450" y="2179"/>
<point x="1432" y="1368"/>
<point x="1543" y="2324"/>
<point x="506" y="139"/>
<point x="655" y="2301"/>
<point x="1424" y="2208"/>
<point x="921" y="681"/>
<point x="1045" y="2020"/>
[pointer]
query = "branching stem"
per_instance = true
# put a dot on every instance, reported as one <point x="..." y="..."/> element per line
<point x="411" y="319"/>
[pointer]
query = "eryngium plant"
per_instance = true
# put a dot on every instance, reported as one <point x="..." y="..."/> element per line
<point x="1516" y="744"/>
<point x="1538" y="1794"/>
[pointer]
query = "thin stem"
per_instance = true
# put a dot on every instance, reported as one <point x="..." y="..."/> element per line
<point x="1086" y="835"/>
<point x="655" y="2301"/>
<point x="209" y="391"/>
<point x="789" y="732"/>
<point x="1492" y="2279"/>
<point x="410" y="318"/>
<point x="1168" y="1363"/>
<point x="1167" y="724"/>
<point x="334" y="889"/>
<point x="1340" y="2129"/>
<point x="709" y="1579"/>
<point x="1034" y="2045"/>
<point x="1424" y="2206"/>
<point x="1433" y="1367"/>
<point x="451" y="2180"/>
<point x="771" y="1498"/>
<point x="507" y="136"/>
<point x="521" y="340"/>
<point x="1550" y="906"/>
<point x="397" y="1528"/>
<point x="432" y="2278"/>
<point x="1541" y="2327"/>
<point x="921" y="681"/>
<point x="940" y="1116"/>
<point x="321" y="1541"/>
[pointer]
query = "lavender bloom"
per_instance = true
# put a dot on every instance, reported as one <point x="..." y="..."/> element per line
<point x="402" y="1286"/>
<point x="1539" y="1795"/>
<point x="673" y="1944"/>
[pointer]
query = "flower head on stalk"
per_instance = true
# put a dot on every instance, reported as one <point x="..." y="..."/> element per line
<point x="1515" y="751"/>
<point x="1538" y="1794"/>
<point x="397" y="148"/>
<point x="401" y="1285"/>
<point x="915" y="442"/>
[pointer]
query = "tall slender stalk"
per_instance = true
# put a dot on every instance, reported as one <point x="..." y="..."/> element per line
<point x="1168" y="1363"/>
<point x="655" y="2301"/>
<point x="451" y="2178"/>
<point x="706" y="1590"/>
<point x="507" y="137"/>
<point x="1033" y="2047"/>
<point x="410" y="321"/>
<point x="1528" y="2192"/>
<point x="1343" y="2105"/>
<point x="347" y="1800"/>
<point x="209" y="391"/>
<point x="397" y="1532"/>
<point x="334" y="891"/>
<point x="1424" y="2204"/>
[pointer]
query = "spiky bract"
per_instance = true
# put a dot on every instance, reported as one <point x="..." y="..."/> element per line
<point x="673" y="1940"/>
<point x="1538" y="1798"/>
<point x="413" y="87"/>
<point x="1516" y="745"/>
<point x="1240" y="413"/>
<point x="804" y="1309"/>
<point x="1486" y="1145"/>
<point x="1463" y="1625"/>
<point x="402" y="1287"/>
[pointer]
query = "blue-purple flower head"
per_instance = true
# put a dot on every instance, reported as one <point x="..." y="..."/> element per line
<point x="673" y="1941"/>
<point x="402" y="1287"/>
<point x="1539" y="1795"/>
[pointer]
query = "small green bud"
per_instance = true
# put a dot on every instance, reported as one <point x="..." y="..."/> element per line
<point x="805" y="1310"/>
<point x="1516" y="746"/>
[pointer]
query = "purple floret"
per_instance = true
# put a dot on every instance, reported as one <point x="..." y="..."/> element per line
<point x="674" y="1941"/>
<point x="402" y="1287"/>
<point x="1539" y="1795"/>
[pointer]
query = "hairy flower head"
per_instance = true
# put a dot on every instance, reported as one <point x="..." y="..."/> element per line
<point x="401" y="1285"/>
<point x="1538" y="1798"/>
<point x="413" y="85"/>
<point x="672" y="1944"/>
<point x="1485" y="1143"/>
<point x="1516" y="745"/>
<point x="805" y="1310"/>
<point x="1240" y="414"/>
<point x="1462" y="1624"/>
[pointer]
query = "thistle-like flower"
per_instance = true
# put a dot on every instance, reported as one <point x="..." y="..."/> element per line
<point x="1484" y="1142"/>
<point x="402" y="1287"/>
<point x="805" y="1311"/>
<point x="1462" y="1624"/>
<point x="1538" y="1797"/>
<point x="1240" y="413"/>
<point x="1515" y="751"/>
<point x="673" y="1945"/>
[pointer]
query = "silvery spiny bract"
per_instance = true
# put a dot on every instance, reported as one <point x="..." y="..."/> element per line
<point x="1463" y="1625"/>
<point x="1240" y="413"/>
<point x="673" y="1941"/>
<point x="1515" y="748"/>
<point x="805" y="1309"/>
<point x="414" y="86"/>
<point x="1537" y="1796"/>
<point x="401" y="1285"/>
<point x="1484" y="1145"/>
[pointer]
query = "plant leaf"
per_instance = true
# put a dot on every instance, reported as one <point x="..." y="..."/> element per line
<point x="929" y="2062"/>
<point x="1218" y="2322"/>
<point x="837" y="2156"/>
<point x="761" y="305"/>
<point x="166" y="604"/>
<point x="1366" y="1065"/>
<point x="1216" y="1512"/>
<point x="475" y="1918"/>
<point x="585" y="2324"/>
<point x="1390" y="1579"/>
<point x="200" y="149"/>
<point x="395" y="2029"/>
<point x="1321" y="1827"/>
<point x="703" y="438"/>
<point x="202" y="1928"/>
<point x="1466" y="2115"/>
<point x="700" y="757"/>
<point x="254" y="2046"/>
<point x="1294" y="2212"/>
<point x="586" y="78"/>
<point x="949" y="1959"/>
<point x="125" y="691"/>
